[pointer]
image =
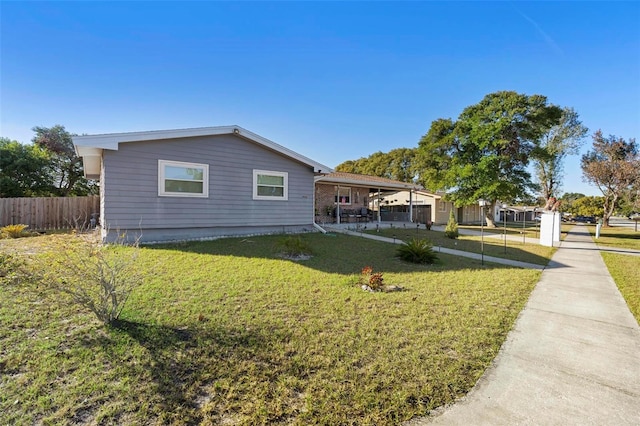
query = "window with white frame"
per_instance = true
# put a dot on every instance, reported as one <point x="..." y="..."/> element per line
<point x="269" y="185"/>
<point x="442" y="206"/>
<point x="178" y="179"/>
<point x="343" y="196"/>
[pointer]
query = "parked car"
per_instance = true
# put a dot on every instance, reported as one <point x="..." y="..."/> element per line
<point x="585" y="219"/>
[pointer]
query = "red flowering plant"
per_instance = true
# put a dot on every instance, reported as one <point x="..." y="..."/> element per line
<point x="371" y="279"/>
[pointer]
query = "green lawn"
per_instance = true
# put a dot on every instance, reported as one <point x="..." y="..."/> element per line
<point x="624" y="270"/>
<point x="515" y="250"/>
<point x="227" y="332"/>
<point x="617" y="236"/>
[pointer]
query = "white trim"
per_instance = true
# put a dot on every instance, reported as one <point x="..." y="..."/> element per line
<point x="162" y="178"/>
<point x="113" y="140"/>
<point x="330" y="180"/>
<point x="285" y="192"/>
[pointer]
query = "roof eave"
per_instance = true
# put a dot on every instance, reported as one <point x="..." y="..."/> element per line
<point x="369" y="184"/>
<point x="113" y="140"/>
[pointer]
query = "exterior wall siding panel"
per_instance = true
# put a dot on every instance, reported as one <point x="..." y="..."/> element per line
<point x="130" y="185"/>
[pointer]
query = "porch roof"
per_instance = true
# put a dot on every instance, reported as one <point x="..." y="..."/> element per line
<point x="343" y="178"/>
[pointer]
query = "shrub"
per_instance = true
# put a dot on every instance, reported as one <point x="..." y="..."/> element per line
<point x="451" y="231"/>
<point x="373" y="280"/>
<point x="95" y="276"/>
<point x="417" y="251"/>
<point x="14" y="231"/>
<point x="294" y="246"/>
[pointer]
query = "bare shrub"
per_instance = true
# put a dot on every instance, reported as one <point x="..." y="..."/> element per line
<point x="95" y="276"/>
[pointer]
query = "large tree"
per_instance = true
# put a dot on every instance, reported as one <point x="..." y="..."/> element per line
<point x="397" y="164"/>
<point x="561" y="140"/>
<point x="613" y="165"/>
<point x="485" y="153"/>
<point x="24" y="170"/>
<point x="587" y="206"/>
<point x="66" y="167"/>
<point x="568" y="200"/>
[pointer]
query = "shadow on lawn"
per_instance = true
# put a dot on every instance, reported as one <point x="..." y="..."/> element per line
<point x="337" y="253"/>
<point x="183" y="363"/>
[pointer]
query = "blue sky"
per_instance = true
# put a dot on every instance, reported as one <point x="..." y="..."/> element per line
<point x="331" y="80"/>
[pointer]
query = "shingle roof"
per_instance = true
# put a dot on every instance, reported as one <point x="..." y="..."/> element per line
<point x="365" y="180"/>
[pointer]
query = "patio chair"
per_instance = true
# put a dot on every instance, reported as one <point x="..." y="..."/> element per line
<point x="362" y="215"/>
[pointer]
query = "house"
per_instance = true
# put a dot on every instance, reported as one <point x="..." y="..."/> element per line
<point x="516" y="213"/>
<point x="422" y="204"/>
<point x="198" y="183"/>
<point x="426" y="206"/>
<point x="343" y="197"/>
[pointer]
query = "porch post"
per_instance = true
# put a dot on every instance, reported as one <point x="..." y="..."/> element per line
<point x="338" y="204"/>
<point x="379" y="207"/>
<point x="411" y="205"/>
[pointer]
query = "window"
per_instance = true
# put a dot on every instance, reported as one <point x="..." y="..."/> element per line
<point x="442" y="206"/>
<point x="344" y="196"/>
<point x="177" y="179"/>
<point x="270" y="185"/>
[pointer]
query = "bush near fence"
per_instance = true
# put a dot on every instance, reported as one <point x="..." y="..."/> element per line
<point x="50" y="213"/>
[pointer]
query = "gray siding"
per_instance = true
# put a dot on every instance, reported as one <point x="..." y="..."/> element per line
<point x="131" y="201"/>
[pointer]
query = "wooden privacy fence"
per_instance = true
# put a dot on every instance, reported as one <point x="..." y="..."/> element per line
<point x="43" y="213"/>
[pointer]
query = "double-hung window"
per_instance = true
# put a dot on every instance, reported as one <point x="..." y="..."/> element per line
<point x="178" y="179"/>
<point x="269" y="185"/>
<point x="343" y="196"/>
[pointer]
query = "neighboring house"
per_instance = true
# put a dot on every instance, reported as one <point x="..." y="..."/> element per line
<point x="396" y="204"/>
<point x="516" y="213"/>
<point x="348" y="197"/>
<point x="198" y="183"/>
<point x="427" y="206"/>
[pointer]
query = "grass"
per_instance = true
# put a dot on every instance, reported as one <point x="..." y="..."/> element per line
<point x="618" y="236"/>
<point x="493" y="243"/>
<point x="229" y="332"/>
<point x="624" y="270"/>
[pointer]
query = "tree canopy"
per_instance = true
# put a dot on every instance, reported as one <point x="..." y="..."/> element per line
<point x="559" y="141"/>
<point x="613" y="165"/>
<point x="24" y="170"/>
<point x="586" y="206"/>
<point x="47" y="167"/>
<point x="66" y="167"/>
<point x="397" y="164"/>
<point x="484" y="154"/>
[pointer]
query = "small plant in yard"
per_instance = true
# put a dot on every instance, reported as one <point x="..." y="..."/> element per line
<point x="417" y="251"/>
<point x="451" y="231"/>
<point x="370" y="279"/>
<point x="96" y="276"/>
<point x="14" y="231"/>
<point x="293" y="246"/>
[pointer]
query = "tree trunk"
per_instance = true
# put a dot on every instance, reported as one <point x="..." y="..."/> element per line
<point x="609" y="206"/>
<point x="488" y="215"/>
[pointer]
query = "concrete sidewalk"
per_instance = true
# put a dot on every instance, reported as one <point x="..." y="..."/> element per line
<point x="572" y="358"/>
